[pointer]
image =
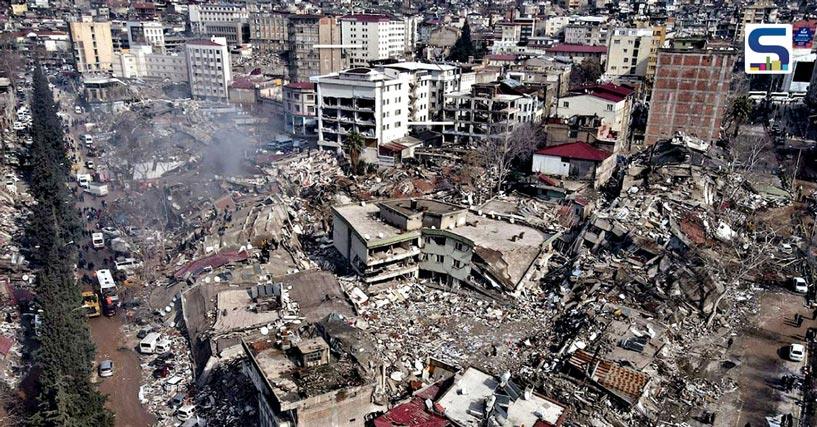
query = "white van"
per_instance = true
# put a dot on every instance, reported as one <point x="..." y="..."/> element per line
<point x="162" y="346"/>
<point x="84" y="180"/>
<point x="107" y="286"/>
<point x="127" y="264"/>
<point x="88" y="140"/>
<point x="148" y="343"/>
<point x="98" y="240"/>
<point x="185" y="412"/>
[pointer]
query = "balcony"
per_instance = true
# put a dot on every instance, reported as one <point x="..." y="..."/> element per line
<point x="392" y="272"/>
<point x="393" y="254"/>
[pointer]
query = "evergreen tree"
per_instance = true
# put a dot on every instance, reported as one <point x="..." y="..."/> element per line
<point x="66" y="396"/>
<point x="463" y="47"/>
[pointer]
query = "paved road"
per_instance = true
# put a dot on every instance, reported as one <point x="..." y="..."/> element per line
<point x="108" y="335"/>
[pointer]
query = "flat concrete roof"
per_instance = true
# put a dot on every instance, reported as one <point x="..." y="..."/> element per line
<point x="234" y="312"/>
<point x="493" y="239"/>
<point x="365" y="221"/>
<point x="422" y="206"/>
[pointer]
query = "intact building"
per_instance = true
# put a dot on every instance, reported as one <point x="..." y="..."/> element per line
<point x="372" y="37"/>
<point x="314" y="46"/>
<point x="150" y="33"/>
<point x="628" y="53"/>
<point x="690" y="94"/>
<point x="372" y="103"/>
<point x="760" y="12"/>
<point x="92" y="44"/>
<point x="268" y="31"/>
<point x="209" y="68"/>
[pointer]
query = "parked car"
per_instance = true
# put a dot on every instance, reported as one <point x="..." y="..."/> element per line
<point x="797" y="352"/>
<point x="106" y="368"/>
<point x="799" y="285"/>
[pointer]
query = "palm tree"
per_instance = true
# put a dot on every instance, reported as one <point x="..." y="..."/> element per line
<point x="354" y="149"/>
<point x="739" y="112"/>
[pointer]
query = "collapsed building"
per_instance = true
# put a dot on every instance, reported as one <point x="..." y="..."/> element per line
<point x="440" y="241"/>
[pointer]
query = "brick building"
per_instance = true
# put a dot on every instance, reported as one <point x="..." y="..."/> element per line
<point x="690" y="93"/>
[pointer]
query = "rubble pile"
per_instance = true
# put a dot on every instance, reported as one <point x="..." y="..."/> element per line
<point x="228" y="398"/>
<point x="165" y="375"/>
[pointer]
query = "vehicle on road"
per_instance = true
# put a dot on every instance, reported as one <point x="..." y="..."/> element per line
<point x="107" y="286"/>
<point x="90" y="301"/>
<point x="797" y="352"/>
<point x="97" y="189"/>
<point x="84" y="180"/>
<point x="108" y="307"/>
<point x="799" y="285"/>
<point x="78" y="109"/>
<point x="89" y="164"/>
<point x="98" y="240"/>
<point x="106" y="368"/>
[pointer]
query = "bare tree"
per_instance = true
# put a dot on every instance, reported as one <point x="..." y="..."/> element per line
<point x="499" y="154"/>
<point x="743" y="260"/>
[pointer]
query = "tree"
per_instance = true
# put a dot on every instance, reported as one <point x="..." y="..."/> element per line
<point x="739" y="112"/>
<point x="65" y="352"/>
<point x="464" y="47"/>
<point x="588" y="71"/>
<point x="355" y="145"/>
<point x="500" y="153"/>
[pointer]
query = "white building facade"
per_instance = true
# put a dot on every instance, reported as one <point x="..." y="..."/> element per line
<point x="209" y="68"/>
<point x="370" y="37"/>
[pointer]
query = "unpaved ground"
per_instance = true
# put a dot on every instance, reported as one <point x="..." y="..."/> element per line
<point x="759" y="349"/>
<point x="123" y="388"/>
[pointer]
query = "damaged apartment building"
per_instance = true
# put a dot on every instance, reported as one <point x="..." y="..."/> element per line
<point x="440" y="241"/>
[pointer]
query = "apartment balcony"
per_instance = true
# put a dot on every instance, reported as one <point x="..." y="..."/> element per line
<point x="391" y="272"/>
<point x="393" y="254"/>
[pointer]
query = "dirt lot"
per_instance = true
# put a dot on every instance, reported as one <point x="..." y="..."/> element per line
<point x="759" y="350"/>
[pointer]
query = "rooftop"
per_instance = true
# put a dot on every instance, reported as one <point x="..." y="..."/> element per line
<point x="366" y="17"/>
<point x="410" y="207"/>
<point x="292" y="383"/>
<point x="467" y="402"/>
<point x="235" y="313"/>
<point x="365" y="220"/>
<point x="575" y="150"/>
<point x="577" y="48"/>
<point x="499" y="244"/>
<point x="413" y="66"/>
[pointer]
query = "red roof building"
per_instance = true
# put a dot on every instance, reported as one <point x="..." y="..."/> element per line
<point x="576" y="48"/>
<point x="412" y="413"/>
<point x="575" y="150"/>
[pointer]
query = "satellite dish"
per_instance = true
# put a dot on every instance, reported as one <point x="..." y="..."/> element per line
<point x="217" y="279"/>
<point x="207" y="279"/>
<point x="264" y="330"/>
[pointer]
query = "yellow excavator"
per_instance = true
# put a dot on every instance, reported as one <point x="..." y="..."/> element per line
<point x="90" y="301"/>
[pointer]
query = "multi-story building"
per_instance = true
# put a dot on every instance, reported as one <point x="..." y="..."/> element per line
<point x="371" y="103"/>
<point x="142" y="62"/>
<point x="92" y="45"/>
<point x="209" y="68"/>
<point x="201" y="14"/>
<point x="488" y="110"/>
<point x="690" y="93"/>
<point x="428" y="85"/>
<point x="628" y="54"/>
<point x="268" y="31"/>
<point x="610" y="102"/>
<point x="150" y="33"/>
<point x="440" y="241"/>
<point x="314" y="46"/>
<point x="586" y="33"/>
<point x="760" y="12"/>
<point x="299" y="108"/>
<point x="372" y="37"/>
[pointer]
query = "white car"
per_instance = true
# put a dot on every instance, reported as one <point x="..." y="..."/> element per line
<point x="106" y="368"/>
<point x="797" y="352"/>
<point x="799" y="284"/>
<point x="89" y="164"/>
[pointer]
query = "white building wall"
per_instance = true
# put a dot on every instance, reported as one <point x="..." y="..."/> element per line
<point x="550" y="165"/>
<point x="611" y="112"/>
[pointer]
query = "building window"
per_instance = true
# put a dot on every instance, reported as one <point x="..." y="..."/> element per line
<point x="458" y="263"/>
<point x="565" y="104"/>
<point x="459" y="246"/>
<point x="439" y="258"/>
<point x="610" y="107"/>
